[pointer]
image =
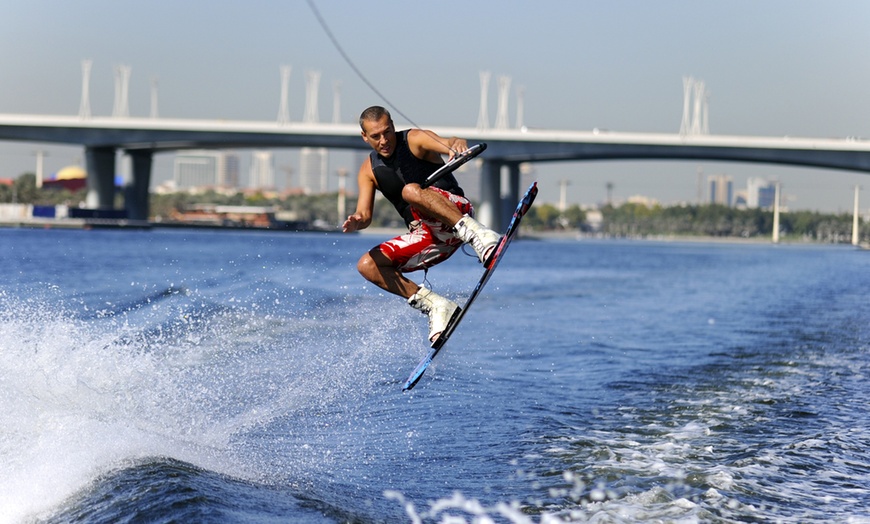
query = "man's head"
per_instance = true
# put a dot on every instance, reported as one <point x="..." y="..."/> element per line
<point x="378" y="130"/>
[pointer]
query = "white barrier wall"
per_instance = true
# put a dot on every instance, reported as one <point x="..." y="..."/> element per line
<point x="15" y="211"/>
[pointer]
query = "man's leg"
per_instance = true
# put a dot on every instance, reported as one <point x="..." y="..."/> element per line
<point x="387" y="274"/>
<point x="435" y="204"/>
<point x="432" y="204"/>
<point x="375" y="267"/>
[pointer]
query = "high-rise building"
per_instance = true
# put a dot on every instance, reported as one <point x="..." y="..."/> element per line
<point x="721" y="189"/>
<point x="230" y="171"/>
<point x="262" y="175"/>
<point x="215" y="169"/>
<point x="760" y="193"/>
<point x="767" y="196"/>
<point x="314" y="169"/>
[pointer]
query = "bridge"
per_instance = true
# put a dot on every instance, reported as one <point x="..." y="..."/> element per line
<point x="102" y="137"/>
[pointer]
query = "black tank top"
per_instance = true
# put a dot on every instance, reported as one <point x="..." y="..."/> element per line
<point x="404" y="168"/>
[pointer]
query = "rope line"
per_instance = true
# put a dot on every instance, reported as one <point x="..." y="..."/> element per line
<point x="360" y="74"/>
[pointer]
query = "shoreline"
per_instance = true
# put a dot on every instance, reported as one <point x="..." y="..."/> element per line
<point x="576" y="235"/>
<point x="74" y="223"/>
<point x="389" y="232"/>
<point x="581" y="237"/>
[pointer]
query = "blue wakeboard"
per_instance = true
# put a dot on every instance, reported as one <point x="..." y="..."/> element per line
<point x="489" y="268"/>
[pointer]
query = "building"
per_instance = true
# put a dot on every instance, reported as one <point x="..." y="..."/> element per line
<point x="314" y="169"/>
<point x="262" y="175"/>
<point x="740" y="199"/>
<point x="644" y="201"/>
<point x="71" y="178"/>
<point x="226" y="216"/>
<point x="721" y="189"/>
<point x="214" y="169"/>
<point x="767" y="196"/>
<point x="760" y="193"/>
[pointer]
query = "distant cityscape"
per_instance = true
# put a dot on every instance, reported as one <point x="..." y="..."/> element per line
<point x="229" y="171"/>
<point x="198" y="170"/>
<point x="225" y="189"/>
<point x="221" y="170"/>
<point x="313" y="169"/>
<point x="759" y="192"/>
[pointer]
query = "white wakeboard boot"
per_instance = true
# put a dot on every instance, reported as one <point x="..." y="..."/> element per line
<point x="481" y="238"/>
<point x="438" y="308"/>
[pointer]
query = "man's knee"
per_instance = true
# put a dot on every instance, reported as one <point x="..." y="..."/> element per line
<point x="369" y="264"/>
<point x="412" y="193"/>
<point x="366" y="265"/>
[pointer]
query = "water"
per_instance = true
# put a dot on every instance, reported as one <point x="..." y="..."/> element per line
<point x="225" y="377"/>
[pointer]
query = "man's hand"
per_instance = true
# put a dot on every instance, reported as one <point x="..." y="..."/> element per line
<point x="457" y="146"/>
<point x="353" y="223"/>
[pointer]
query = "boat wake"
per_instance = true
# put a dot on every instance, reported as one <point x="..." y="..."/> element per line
<point x="88" y="390"/>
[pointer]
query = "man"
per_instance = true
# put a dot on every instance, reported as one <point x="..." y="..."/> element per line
<point x="439" y="218"/>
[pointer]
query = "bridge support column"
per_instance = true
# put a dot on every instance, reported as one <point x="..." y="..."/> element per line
<point x="510" y="193"/>
<point x="136" y="192"/>
<point x="100" y="164"/>
<point x="489" y="210"/>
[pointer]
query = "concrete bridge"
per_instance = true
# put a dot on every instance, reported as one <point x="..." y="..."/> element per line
<point x="507" y="149"/>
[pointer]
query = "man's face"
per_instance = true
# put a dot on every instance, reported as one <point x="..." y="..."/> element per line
<point x="381" y="135"/>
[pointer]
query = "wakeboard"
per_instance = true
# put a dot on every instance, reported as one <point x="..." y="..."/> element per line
<point x="523" y="206"/>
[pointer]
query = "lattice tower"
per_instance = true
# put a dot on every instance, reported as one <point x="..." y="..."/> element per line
<point x="284" y="108"/>
<point x="85" y="105"/>
<point x="122" y="89"/>
<point x="312" y="83"/>
<point x="687" y="101"/>
<point x="336" y="102"/>
<point x="695" y="107"/>
<point x="504" y="87"/>
<point x="521" y="95"/>
<point x="483" y="114"/>
<point x="154" y="85"/>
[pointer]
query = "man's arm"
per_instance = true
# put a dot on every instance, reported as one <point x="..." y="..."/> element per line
<point x="365" y="204"/>
<point x="426" y="145"/>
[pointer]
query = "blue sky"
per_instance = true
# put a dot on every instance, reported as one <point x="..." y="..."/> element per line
<point x="773" y="68"/>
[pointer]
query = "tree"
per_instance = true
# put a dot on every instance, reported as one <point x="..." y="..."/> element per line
<point x="543" y="216"/>
<point x="23" y="190"/>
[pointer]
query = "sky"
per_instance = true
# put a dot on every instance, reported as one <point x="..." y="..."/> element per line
<point x="772" y="68"/>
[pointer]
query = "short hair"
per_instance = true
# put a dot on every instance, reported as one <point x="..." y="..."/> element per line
<point x="373" y="113"/>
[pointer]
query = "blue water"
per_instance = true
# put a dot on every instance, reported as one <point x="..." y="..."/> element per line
<point x="179" y="376"/>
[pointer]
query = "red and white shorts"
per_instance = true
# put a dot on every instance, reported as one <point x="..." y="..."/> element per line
<point x="428" y="242"/>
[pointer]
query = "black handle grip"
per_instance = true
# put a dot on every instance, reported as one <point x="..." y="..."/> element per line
<point x="454" y="163"/>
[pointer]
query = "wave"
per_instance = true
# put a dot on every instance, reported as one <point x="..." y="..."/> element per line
<point x="275" y="394"/>
<point x="167" y="490"/>
<point x="174" y="375"/>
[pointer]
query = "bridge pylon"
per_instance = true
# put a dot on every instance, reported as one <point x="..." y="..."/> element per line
<point x="499" y="192"/>
<point x="85" y="104"/>
<point x="122" y="91"/>
<point x="504" y="87"/>
<point x="483" y="114"/>
<point x="284" y="108"/>
<point x="696" y="100"/>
